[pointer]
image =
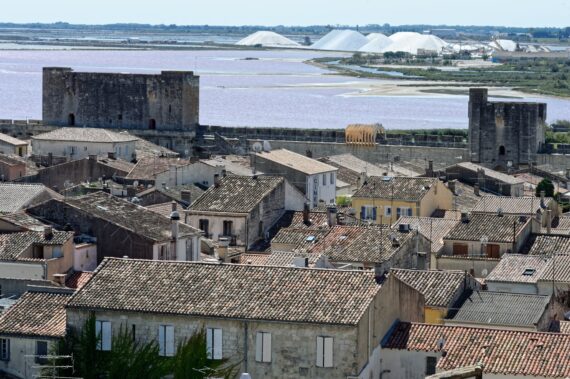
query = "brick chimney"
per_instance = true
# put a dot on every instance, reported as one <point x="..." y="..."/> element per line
<point x="48" y="232"/>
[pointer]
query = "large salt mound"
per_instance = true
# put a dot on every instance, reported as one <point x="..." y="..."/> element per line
<point x="265" y="38"/>
<point x="411" y="42"/>
<point x="373" y="36"/>
<point x="341" y="40"/>
<point x="503" y="45"/>
<point x="377" y="45"/>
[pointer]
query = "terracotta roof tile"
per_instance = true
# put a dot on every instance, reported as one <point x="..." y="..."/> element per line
<point x="78" y="279"/>
<point x="522" y="205"/>
<point x="440" y="288"/>
<point x="15" y="197"/>
<point x="433" y="229"/>
<point x="504" y="352"/>
<point x="399" y="188"/>
<point x="496" y="228"/>
<point x="517" y="268"/>
<point x="85" y="135"/>
<point x="148" y="167"/>
<point x="549" y="244"/>
<point x="229" y="290"/>
<point x="236" y="194"/>
<point x="36" y="314"/>
<point x="14" y="244"/>
<point x="296" y="161"/>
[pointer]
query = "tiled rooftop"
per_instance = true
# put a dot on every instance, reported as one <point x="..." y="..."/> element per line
<point x="500" y="308"/>
<point x="399" y="188"/>
<point x="440" y="288"/>
<point x="258" y="259"/>
<point x="164" y="209"/>
<point x="504" y="352"/>
<point x="369" y="244"/>
<point x="302" y="238"/>
<point x="11" y="160"/>
<point x="233" y="164"/>
<point x="237" y="194"/>
<point x="296" y="161"/>
<point x="15" y="197"/>
<point x="14" y="244"/>
<point x="23" y="220"/>
<point x="36" y="314"/>
<point x="549" y="244"/>
<point x="434" y="229"/>
<point x="78" y="279"/>
<point x="523" y="205"/>
<point x="518" y="268"/>
<point x="490" y="173"/>
<point x="148" y="167"/>
<point x="85" y="135"/>
<point x="495" y="227"/>
<point x="558" y="268"/>
<point x="128" y="216"/>
<point x="265" y="293"/>
<point x="5" y="138"/>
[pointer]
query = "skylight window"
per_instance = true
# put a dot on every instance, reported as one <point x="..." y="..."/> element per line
<point x="529" y="272"/>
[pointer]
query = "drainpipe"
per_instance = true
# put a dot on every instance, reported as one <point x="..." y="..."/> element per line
<point x="245" y="345"/>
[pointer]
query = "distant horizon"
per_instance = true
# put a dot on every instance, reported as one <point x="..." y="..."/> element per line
<point x="333" y="26"/>
<point x="510" y="13"/>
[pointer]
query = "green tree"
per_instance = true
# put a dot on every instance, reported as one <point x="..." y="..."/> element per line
<point x="546" y="186"/>
<point x="191" y="360"/>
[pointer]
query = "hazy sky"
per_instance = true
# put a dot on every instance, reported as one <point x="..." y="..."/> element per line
<point x="291" y="12"/>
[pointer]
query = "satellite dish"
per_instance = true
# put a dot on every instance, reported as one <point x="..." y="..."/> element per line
<point x="136" y="183"/>
<point x="266" y="146"/>
<point x="484" y="272"/>
<point x="257" y="147"/>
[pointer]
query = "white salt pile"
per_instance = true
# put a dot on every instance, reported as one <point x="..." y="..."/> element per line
<point x="265" y="38"/>
<point x="503" y="45"/>
<point x="341" y="40"/>
<point x="373" y="36"/>
<point x="377" y="44"/>
<point x="411" y="42"/>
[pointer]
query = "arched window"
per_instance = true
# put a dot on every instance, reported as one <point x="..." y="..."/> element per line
<point x="71" y="119"/>
<point x="152" y="124"/>
<point x="501" y="150"/>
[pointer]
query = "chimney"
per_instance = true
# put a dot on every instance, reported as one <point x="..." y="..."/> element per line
<point x="216" y="180"/>
<point x="568" y="173"/>
<point x="464" y="217"/>
<point x="59" y="279"/>
<point x="306" y="214"/>
<point x="548" y="221"/>
<point x="48" y="232"/>
<point x="476" y="189"/>
<point x="301" y="262"/>
<point x="111" y="155"/>
<point x="174" y="221"/>
<point x="542" y="202"/>
<point x="429" y="170"/>
<point x="451" y="186"/>
<point x="363" y="178"/>
<point x="186" y="196"/>
<point x="224" y="173"/>
<point x="92" y="157"/>
<point x="331" y="215"/>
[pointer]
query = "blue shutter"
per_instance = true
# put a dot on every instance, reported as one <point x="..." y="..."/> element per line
<point x="374" y="213"/>
<point x="362" y="213"/>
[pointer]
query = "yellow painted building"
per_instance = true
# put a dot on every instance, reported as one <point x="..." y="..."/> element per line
<point x="383" y="200"/>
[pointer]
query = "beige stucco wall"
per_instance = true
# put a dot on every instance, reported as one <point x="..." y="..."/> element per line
<point x="19" y="365"/>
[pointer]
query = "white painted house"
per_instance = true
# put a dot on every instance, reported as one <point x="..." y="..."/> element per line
<point x="79" y="143"/>
<point x="317" y="180"/>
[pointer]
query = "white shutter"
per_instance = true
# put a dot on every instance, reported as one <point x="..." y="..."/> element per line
<point x="320" y="353"/>
<point x="209" y="341"/>
<point x="259" y="347"/>
<point x="161" y="348"/>
<point x="217" y="344"/>
<point x="169" y="341"/>
<point x="106" y="335"/>
<point x="328" y="352"/>
<point x="266" y="347"/>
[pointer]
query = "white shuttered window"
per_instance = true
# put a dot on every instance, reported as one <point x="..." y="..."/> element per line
<point x="166" y="340"/>
<point x="214" y="343"/>
<point x="324" y="351"/>
<point x="263" y="347"/>
<point x="103" y="332"/>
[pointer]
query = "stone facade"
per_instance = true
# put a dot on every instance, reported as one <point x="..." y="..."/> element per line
<point x="503" y="134"/>
<point x="167" y="101"/>
<point x="293" y="345"/>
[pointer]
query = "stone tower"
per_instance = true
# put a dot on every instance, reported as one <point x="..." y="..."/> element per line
<point x="168" y="101"/>
<point x="504" y="134"/>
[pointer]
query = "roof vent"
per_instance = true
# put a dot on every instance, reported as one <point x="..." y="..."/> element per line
<point x="500" y="212"/>
<point x="464" y="217"/>
<point x="404" y="228"/>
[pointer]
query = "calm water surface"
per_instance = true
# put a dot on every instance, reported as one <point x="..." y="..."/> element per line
<point x="276" y="89"/>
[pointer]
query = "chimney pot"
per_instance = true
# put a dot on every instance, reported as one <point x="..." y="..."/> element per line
<point x="48" y="232"/>
<point x="216" y="180"/>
